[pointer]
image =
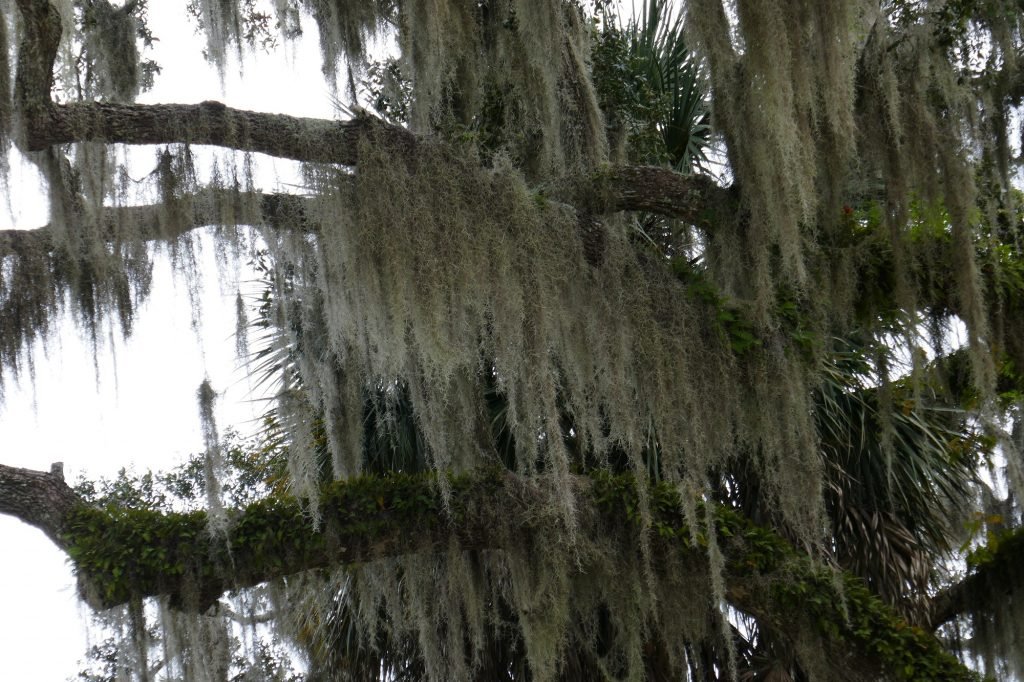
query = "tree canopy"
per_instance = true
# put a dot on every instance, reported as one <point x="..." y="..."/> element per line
<point x="602" y="344"/>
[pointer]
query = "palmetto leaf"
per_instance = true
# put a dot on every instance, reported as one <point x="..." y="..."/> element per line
<point x="898" y="481"/>
<point x="656" y="43"/>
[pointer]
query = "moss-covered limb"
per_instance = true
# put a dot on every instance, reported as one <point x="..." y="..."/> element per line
<point x="121" y="554"/>
<point x="696" y="199"/>
<point x="210" y="206"/>
<point x="767" y="578"/>
<point x="37" y="51"/>
<point x="995" y="579"/>
<point x="856" y="615"/>
<point x="303" y="139"/>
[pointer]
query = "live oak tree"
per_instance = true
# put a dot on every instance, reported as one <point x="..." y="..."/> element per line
<point x="602" y="351"/>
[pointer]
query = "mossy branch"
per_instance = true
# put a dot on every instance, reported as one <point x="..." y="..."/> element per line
<point x="123" y="554"/>
<point x="995" y="578"/>
<point x="312" y="140"/>
<point x="158" y="222"/>
<point x="695" y="199"/>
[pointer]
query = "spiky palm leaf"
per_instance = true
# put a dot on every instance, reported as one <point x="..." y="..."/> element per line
<point x="900" y="475"/>
<point x="656" y="44"/>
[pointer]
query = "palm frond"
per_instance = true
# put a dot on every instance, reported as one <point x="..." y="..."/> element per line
<point x="656" y="42"/>
<point x="898" y="478"/>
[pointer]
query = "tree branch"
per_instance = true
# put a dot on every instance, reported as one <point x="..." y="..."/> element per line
<point x="627" y="188"/>
<point x="990" y="587"/>
<point x="695" y="199"/>
<point x="154" y="221"/>
<point x="312" y="140"/>
<point x="39" y="498"/>
<point x="124" y="554"/>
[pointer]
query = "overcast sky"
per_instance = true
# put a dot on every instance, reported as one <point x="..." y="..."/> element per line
<point x="143" y="412"/>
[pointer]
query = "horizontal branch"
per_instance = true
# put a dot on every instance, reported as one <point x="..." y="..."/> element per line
<point x="125" y="554"/>
<point x="152" y="222"/>
<point x="994" y="583"/>
<point x="312" y="140"/>
<point x="623" y="188"/>
<point x="695" y="199"/>
<point x="47" y="123"/>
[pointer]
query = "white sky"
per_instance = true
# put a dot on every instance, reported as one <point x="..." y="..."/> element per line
<point x="146" y="417"/>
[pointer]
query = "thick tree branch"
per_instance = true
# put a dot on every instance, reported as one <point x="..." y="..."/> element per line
<point x="39" y="498"/>
<point x="46" y="124"/>
<point x="359" y="521"/>
<point x="124" y="554"/>
<point x="990" y="587"/>
<point x="212" y="123"/>
<point x="695" y="199"/>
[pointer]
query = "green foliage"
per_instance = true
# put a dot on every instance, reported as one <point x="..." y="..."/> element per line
<point x="1005" y="549"/>
<point x="907" y="652"/>
<point x="903" y="468"/>
<point x="121" y="552"/>
<point x="389" y="92"/>
<point x="255" y="468"/>
<point x="736" y="320"/>
<point x="121" y="549"/>
<point x="124" y="552"/>
<point x="850" y="612"/>
<point x="652" y="88"/>
<point x="629" y="101"/>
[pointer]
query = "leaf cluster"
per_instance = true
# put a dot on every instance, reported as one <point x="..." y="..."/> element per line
<point x="651" y="87"/>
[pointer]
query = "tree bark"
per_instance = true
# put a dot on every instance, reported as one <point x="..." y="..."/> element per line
<point x="311" y="140"/>
<point x="39" y="498"/>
